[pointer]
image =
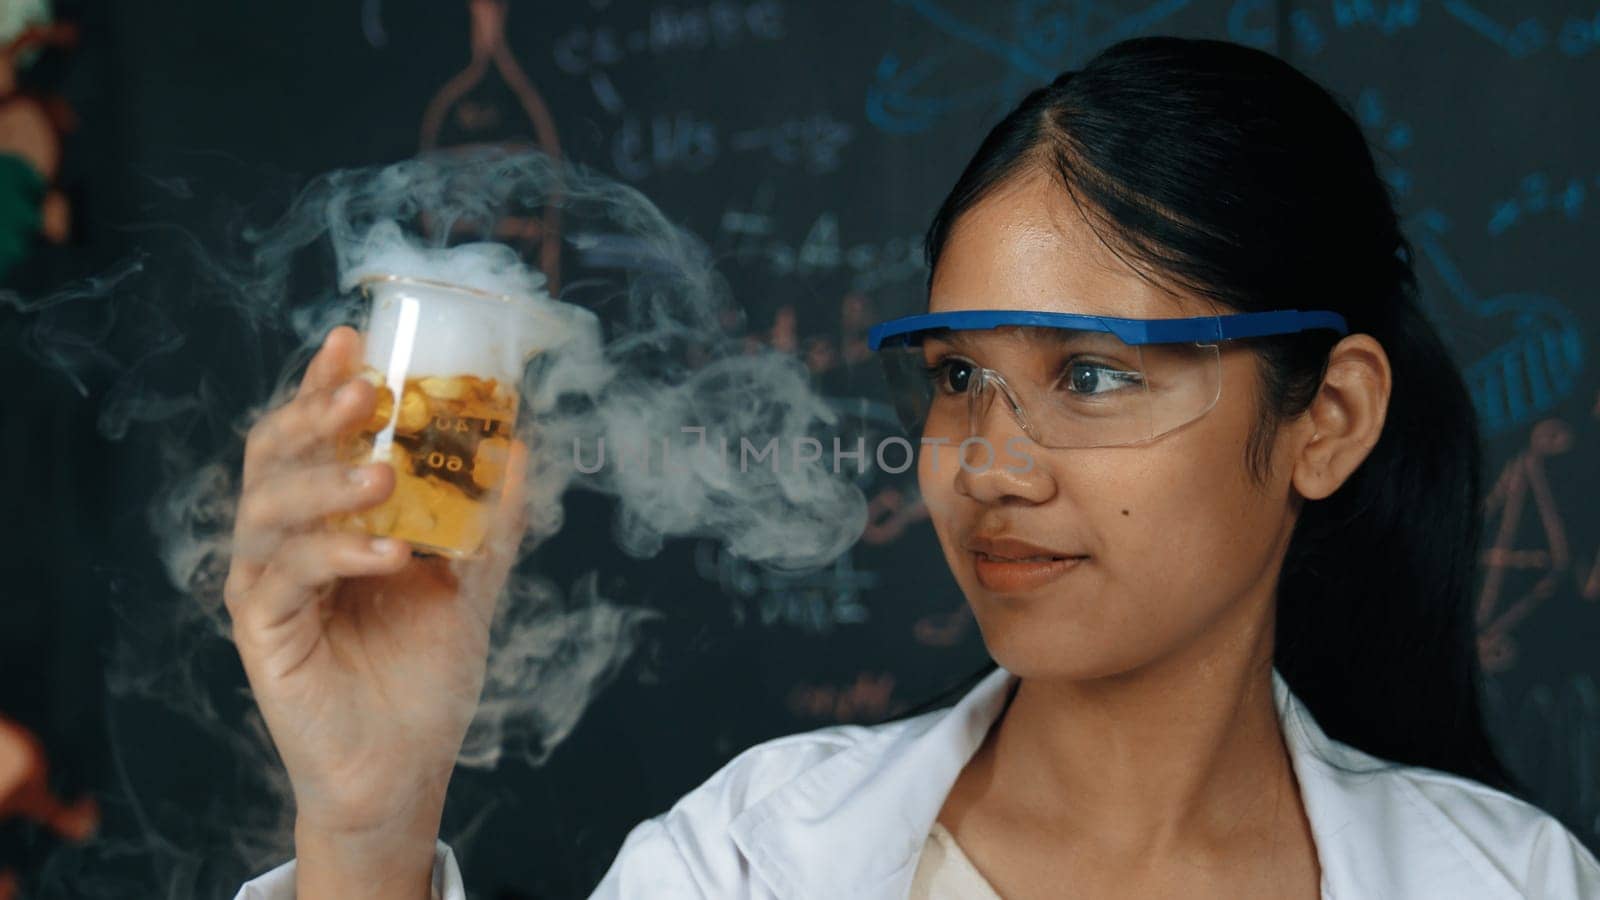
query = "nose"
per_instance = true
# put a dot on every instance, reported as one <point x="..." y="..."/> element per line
<point x="999" y="463"/>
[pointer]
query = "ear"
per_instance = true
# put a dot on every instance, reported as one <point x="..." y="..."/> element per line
<point x="1346" y="417"/>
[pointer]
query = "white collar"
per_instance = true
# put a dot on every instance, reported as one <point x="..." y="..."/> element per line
<point x="853" y="825"/>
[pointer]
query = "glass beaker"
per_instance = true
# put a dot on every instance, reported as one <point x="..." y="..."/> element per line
<point x="447" y="361"/>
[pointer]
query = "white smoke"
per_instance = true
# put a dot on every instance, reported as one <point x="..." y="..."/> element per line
<point x="649" y="351"/>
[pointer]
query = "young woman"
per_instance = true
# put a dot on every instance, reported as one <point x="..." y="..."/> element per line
<point x="1207" y="477"/>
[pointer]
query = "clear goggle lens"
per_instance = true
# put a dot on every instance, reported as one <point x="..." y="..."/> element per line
<point x="1066" y="388"/>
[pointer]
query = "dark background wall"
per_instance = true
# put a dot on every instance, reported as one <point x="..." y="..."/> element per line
<point x="807" y="144"/>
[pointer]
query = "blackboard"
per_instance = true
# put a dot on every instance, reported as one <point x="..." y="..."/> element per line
<point x="807" y="145"/>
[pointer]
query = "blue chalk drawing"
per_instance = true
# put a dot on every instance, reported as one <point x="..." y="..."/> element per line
<point x="1306" y="34"/>
<point x="1369" y="111"/>
<point x="1045" y="37"/>
<point x="1393" y="17"/>
<point x="1576" y="37"/>
<point x="1251" y="22"/>
<point x="818" y="601"/>
<point x="1533" y="368"/>
<point x="1387" y="136"/>
<point x="1519" y="40"/>
<point x="1579" y="36"/>
<point x="1535" y="195"/>
<point x="1254" y="22"/>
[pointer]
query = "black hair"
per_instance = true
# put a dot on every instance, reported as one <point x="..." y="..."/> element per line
<point x="1224" y="171"/>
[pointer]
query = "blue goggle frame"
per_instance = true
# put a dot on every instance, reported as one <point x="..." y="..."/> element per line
<point x="908" y="330"/>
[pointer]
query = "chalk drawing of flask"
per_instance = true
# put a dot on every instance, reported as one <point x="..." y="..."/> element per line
<point x="491" y="104"/>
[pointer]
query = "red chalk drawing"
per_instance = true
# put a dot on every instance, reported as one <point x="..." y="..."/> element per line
<point x="1521" y="492"/>
<point x="470" y="111"/>
<point x="868" y="699"/>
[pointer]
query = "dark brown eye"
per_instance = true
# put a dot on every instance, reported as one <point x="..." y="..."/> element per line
<point x="1090" y="379"/>
<point x="1082" y="378"/>
<point x="950" y="375"/>
<point x="957" y="374"/>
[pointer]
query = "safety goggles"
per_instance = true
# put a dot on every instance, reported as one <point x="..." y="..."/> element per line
<point x="1069" y="380"/>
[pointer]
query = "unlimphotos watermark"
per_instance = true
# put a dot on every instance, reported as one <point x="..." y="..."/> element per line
<point x="892" y="455"/>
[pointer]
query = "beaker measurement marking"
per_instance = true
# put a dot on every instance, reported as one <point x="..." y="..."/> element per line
<point x="463" y="424"/>
<point x="448" y="462"/>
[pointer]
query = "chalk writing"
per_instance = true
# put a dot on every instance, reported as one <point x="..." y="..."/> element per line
<point x="868" y="699"/>
<point x="751" y="235"/>
<point x="812" y="142"/>
<point x="678" y="141"/>
<point x="1044" y="37"/>
<point x="816" y="602"/>
<point x="945" y="629"/>
<point x="890" y="513"/>
<point x="594" y="51"/>
<point x="686" y="142"/>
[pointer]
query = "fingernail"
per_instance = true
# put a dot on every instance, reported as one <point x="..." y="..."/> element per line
<point x="361" y="476"/>
<point x="384" y="546"/>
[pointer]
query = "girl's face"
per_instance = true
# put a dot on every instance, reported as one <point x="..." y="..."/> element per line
<point x="1181" y="548"/>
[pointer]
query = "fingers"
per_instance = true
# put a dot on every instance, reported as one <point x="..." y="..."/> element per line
<point x="282" y="557"/>
<point x="337" y="359"/>
<point x="307" y="428"/>
<point x="304" y="428"/>
<point x="306" y="565"/>
<point x="296" y="501"/>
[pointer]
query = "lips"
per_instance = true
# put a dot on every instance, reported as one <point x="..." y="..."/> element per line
<point x="1009" y="549"/>
<point x="1018" y="576"/>
<point x="1010" y="565"/>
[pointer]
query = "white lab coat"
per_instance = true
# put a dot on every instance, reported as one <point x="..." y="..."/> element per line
<point x="841" y="813"/>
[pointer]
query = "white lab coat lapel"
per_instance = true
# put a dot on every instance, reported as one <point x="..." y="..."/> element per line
<point x="1377" y="836"/>
<point x="853" y="826"/>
